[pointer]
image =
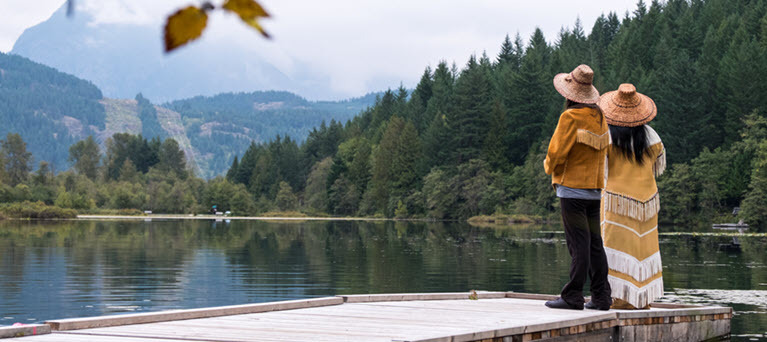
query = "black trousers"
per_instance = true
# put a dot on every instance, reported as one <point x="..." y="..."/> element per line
<point x="584" y="241"/>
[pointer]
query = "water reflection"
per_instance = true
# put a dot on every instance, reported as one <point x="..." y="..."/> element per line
<point x="86" y="268"/>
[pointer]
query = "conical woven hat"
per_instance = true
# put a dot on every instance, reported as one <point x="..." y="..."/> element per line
<point x="625" y="107"/>
<point x="577" y="85"/>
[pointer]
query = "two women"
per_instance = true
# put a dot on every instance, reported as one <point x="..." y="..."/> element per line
<point x="627" y="265"/>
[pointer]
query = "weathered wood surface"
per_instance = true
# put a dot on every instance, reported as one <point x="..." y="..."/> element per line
<point x="174" y="315"/>
<point x="24" y="330"/>
<point x="441" y="317"/>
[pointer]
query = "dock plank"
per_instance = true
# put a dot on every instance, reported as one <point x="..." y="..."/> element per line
<point x="434" y="318"/>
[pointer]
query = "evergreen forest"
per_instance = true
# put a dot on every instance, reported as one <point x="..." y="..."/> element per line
<point x="46" y="106"/>
<point x="468" y="140"/>
<point x="471" y="140"/>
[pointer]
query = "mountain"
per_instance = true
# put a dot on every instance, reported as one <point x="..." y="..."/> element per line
<point x="223" y="126"/>
<point x="52" y="110"/>
<point x="125" y="59"/>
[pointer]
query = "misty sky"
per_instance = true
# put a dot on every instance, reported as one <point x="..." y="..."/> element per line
<point x="356" y="42"/>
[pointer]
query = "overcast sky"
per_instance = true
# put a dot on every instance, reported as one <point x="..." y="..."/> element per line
<point x="354" y="41"/>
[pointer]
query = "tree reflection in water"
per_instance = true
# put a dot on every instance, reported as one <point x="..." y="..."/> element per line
<point x="86" y="268"/>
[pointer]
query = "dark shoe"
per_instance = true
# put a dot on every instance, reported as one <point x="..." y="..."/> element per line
<point x="592" y="306"/>
<point x="560" y="303"/>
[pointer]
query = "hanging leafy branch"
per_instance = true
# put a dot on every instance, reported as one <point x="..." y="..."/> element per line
<point x="187" y="24"/>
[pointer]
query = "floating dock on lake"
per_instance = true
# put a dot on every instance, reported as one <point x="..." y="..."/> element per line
<point x="432" y="317"/>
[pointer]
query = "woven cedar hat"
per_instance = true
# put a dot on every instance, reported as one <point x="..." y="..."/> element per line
<point x="577" y="85"/>
<point x="625" y="107"/>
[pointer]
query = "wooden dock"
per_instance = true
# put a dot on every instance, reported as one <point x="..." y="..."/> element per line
<point x="430" y="317"/>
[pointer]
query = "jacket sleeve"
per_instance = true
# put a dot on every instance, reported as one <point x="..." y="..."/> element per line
<point x="561" y="143"/>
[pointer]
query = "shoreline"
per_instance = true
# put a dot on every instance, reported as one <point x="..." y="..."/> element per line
<point x="222" y="218"/>
<point x="250" y="218"/>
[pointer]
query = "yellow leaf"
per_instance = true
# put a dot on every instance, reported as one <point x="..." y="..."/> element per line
<point x="249" y="11"/>
<point x="184" y="26"/>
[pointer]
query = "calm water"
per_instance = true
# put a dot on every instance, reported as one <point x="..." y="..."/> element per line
<point x="88" y="268"/>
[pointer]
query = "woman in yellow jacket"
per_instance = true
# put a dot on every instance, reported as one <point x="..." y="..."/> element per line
<point x="630" y="201"/>
<point x="575" y="161"/>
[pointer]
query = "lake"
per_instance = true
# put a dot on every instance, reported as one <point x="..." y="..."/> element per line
<point x="63" y="269"/>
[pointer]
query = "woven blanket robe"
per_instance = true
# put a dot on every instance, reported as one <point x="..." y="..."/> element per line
<point x="629" y="224"/>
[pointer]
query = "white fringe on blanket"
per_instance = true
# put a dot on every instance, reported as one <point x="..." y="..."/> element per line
<point x="660" y="164"/>
<point x="627" y="264"/>
<point x="627" y="206"/>
<point x="636" y="296"/>
<point x="616" y="224"/>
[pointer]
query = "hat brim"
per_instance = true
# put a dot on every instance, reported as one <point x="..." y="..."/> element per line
<point x="574" y="91"/>
<point x="633" y="116"/>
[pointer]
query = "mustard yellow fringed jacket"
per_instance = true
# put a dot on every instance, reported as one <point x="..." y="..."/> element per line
<point x="631" y="189"/>
<point x="576" y="156"/>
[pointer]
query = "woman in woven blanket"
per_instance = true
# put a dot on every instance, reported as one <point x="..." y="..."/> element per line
<point x="630" y="199"/>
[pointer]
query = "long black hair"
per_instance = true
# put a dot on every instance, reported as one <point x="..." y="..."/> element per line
<point x="631" y="142"/>
<point x="570" y="104"/>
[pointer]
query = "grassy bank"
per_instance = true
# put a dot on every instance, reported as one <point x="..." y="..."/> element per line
<point x="503" y="219"/>
<point x="286" y="214"/>
<point x="506" y="220"/>
<point x="35" y="210"/>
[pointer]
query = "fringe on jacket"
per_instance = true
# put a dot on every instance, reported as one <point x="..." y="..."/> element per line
<point x="628" y="206"/>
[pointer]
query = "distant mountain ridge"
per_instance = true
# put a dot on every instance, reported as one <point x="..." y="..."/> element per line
<point x="53" y="110"/>
<point x="223" y="126"/>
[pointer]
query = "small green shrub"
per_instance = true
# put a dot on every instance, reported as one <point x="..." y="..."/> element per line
<point x="35" y="210"/>
<point x="114" y="212"/>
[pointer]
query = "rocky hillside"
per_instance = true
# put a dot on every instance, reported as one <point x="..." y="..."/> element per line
<point x="53" y="110"/>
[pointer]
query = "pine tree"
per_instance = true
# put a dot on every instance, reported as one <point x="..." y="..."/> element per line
<point x="172" y="158"/>
<point x="506" y="57"/>
<point x="473" y="98"/>
<point x="677" y="94"/>
<point x="128" y="172"/>
<point x="571" y="49"/>
<point x="18" y="162"/>
<point x="44" y="174"/>
<point x="405" y="161"/>
<point x="264" y="179"/>
<point x="382" y="111"/>
<point x="316" y="193"/>
<point x="743" y="69"/>
<point x="85" y="156"/>
<point x="247" y="164"/>
<point x="232" y="172"/>
<point x="286" y="199"/>
<point x="383" y="159"/>
<point x="494" y="151"/>
<point x="359" y="167"/>
<point x="395" y="164"/>
<point x="416" y="107"/>
<point x="533" y="105"/>
<point x="437" y="139"/>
